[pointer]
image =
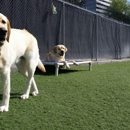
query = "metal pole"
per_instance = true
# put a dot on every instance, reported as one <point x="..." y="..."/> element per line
<point x="96" y="37"/>
<point x="63" y="23"/>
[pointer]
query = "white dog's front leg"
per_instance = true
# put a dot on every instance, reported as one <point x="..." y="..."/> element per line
<point x="6" y="90"/>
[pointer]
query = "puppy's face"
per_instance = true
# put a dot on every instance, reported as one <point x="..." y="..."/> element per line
<point x="60" y="50"/>
<point x="4" y="28"/>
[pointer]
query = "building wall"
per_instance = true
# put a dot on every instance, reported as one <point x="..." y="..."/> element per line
<point x="102" y="5"/>
<point x="99" y="6"/>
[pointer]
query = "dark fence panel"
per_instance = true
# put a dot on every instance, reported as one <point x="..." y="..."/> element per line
<point x="19" y="13"/>
<point x="54" y="26"/>
<point x="125" y="40"/>
<point x="85" y="34"/>
<point x="80" y="32"/>
<point x="108" y="38"/>
<point x="6" y="7"/>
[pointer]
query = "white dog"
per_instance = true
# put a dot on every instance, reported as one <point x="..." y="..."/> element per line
<point x="58" y="55"/>
<point x="20" y="47"/>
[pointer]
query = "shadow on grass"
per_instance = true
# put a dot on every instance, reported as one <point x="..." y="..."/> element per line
<point x="14" y="95"/>
<point x="50" y="70"/>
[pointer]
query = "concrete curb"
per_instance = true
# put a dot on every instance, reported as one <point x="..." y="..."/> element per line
<point x="104" y="61"/>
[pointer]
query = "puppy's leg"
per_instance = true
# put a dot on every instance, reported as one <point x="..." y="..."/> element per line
<point x="22" y="67"/>
<point x="66" y="64"/>
<point x="74" y="62"/>
<point x="6" y="90"/>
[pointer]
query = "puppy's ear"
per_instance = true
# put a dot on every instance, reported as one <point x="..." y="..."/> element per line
<point x="66" y="49"/>
<point x="55" y="49"/>
<point x="9" y="30"/>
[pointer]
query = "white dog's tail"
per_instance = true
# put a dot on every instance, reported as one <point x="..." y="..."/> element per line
<point x="41" y="66"/>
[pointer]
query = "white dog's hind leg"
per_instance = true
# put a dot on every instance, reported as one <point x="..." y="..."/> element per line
<point x="27" y="90"/>
<point x="22" y="67"/>
<point x="35" y="91"/>
<point x="6" y="90"/>
<point x="31" y="67"/>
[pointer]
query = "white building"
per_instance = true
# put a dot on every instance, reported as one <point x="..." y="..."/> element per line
<point x="99" y="6"/>
<point x="102" y="6"/>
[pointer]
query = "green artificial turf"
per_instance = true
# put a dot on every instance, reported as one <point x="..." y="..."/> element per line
<point x="77" y="99"/>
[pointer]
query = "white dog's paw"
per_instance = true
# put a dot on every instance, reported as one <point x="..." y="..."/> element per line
<point x="24" y="96"/>
<point x="3" y="109"/>
<point x="35" y="93"/>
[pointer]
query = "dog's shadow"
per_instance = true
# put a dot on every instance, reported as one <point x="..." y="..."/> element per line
<point x="50" y="70"/>
<point x="14" y="95"/>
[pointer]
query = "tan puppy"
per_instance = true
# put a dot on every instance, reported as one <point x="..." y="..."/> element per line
<point x="19" y="47"/>
<point x="58" y="55"/>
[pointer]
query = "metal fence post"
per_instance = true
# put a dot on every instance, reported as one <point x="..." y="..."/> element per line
<point x="63" y="23"/>
<point x="97" y="37"/>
